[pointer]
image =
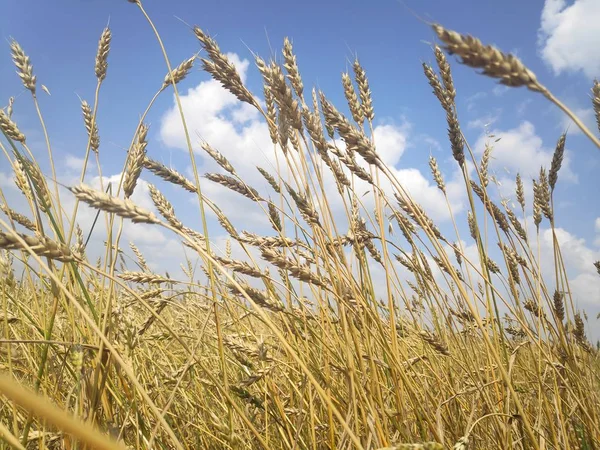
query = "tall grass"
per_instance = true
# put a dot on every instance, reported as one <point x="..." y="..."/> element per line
<point x="297" y="346"/>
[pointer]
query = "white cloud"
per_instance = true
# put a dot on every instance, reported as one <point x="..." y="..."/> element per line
<point x="579" y="263"/>
<point x="391" y="142"/>
<point x="586" y="115"/>
<point x="522" y="150"/>
<point x="73" y="163"/>
<point x="569" y="35"/>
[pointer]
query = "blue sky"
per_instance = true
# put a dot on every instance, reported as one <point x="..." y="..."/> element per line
<point x="556" y="39"/>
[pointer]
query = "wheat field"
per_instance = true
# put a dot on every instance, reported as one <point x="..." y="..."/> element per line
<point x="297" y="345"/>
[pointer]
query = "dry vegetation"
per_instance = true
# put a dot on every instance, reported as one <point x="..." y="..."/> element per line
<point x="294" y="347"/>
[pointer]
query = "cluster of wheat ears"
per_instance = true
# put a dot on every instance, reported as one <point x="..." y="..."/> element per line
<point x="294" y="347"/>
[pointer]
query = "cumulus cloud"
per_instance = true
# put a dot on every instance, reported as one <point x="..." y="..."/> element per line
<point x="521" y="150"/>
<point x="568" y="36"/>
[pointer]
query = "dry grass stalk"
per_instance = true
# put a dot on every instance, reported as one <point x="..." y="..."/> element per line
<point x="90" y="126"/>
<point x="102" y="54"/>
<point x="179" y="73"/>
<point x="506" y="67"/>
<point x="10" y="128"/>
<point x="234" y="185"/>
<point x="170" y="175"/>
<point x="19" y="218"/>
<point x="135" y="161"/>
<point x="123" y="208"/>
<point x="218" y="157"/>
<point x="24" y="67"/>
<point x="40" y="245"/>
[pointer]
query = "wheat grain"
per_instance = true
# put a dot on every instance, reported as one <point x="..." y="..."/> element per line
<point x="164" y="207"/>
<point x="143" y="277"/>
<point x="102" y="55"/>
<point x="218" y="157"/>
<point x="292" y="67"/>
<point x="10" y="128"/>
<point x="168" y="174"/>
<point x="179" y="73"/>
<point x="19" y="218"/>
<point x="557" y="159"/>
<point x="135" y="161"/>
<point x="437" y="175"/>
<point x="222" y="70"/>
<point x="123" y="208"/>
<point x="596" y="101"/>
<point x="40" y="245"/>
<point x="506" y="67"/>
<point x="90" y="126"/>
<point x="234" y="185"/>
<point x="363" y="90"/>
<point x="24" y="67"/>
<point x="352" y="99"/>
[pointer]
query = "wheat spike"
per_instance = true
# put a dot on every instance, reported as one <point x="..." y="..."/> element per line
<point x="102" y="54"/>
<point x="178" y="73"/>
<point x="40" y="245"/>
<point x="170" y="175"/>
<point x="506" y="67"/>
<point x="10" y="128"/>
<point x="135" y="161"/>
<point x="24" y="67"/>
<point x="123" y="208"/>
